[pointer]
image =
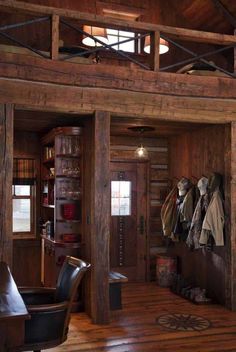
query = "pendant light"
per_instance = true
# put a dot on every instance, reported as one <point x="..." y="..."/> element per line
<point x="141" y="151"/>
<point x="163" y="46"/>
<point x="96" y="32"/>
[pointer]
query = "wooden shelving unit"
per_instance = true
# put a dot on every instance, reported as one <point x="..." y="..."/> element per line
<point x="61" y="198"/>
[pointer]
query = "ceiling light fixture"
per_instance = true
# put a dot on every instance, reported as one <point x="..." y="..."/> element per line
<point x="141" y="151"/>
<point x="163" y="47"/>
<point x="96" y="32"/>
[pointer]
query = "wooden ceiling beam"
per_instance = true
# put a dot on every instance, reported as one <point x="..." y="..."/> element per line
<point x="122" y="78"/>
<point x="121" y="102"/>
<point x="184" y="34"/>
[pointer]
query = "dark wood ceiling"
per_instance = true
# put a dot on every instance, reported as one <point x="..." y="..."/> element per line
<point x="205" y="15"/>
<point x="42" y="121"/>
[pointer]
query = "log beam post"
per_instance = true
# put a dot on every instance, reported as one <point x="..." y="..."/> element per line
<point x="155" y="50"/>
<point x="6" y="165"/>
<point x="230" y="211"/>
<point x="54" y="37"/>
<point x="100" y="218"/>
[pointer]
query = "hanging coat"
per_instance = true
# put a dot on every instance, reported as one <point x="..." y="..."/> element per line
<point x="168" y="212"/>
<point x="213" y="223"/>
<point x="197" y="220"/>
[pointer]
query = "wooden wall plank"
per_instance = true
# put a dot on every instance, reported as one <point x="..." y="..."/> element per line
<point x="6" y="165"/>
<point x="192" y="155"/>
<point x="100" y="219"/>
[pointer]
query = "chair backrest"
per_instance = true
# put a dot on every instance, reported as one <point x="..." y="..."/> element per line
<point x="71" y="274"/>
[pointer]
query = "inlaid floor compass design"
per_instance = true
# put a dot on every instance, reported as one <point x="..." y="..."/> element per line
<point x="183" y="322"/>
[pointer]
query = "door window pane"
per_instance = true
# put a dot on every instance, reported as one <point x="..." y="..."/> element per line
<point x="21" y="215"/>
<point x="120" y="198"/>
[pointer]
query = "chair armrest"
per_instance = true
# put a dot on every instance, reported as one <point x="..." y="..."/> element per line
<point x="46" y="324"/>
<point x="37" y="295"/>
<point x="47" y="307"/>
<point x="40" y="290"/>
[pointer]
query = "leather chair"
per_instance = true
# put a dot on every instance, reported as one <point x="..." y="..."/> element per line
<point x="50" y="308"/>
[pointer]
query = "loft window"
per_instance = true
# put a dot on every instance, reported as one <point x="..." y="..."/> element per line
<point x="23" y="196"/>
<point x="116" y="35"/>
<point x="120" y="198"/>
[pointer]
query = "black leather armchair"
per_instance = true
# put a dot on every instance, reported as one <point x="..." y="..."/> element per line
<point x="50" y="308"/>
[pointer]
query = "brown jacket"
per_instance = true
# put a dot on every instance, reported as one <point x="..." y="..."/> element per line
<point x="168" y="212"/>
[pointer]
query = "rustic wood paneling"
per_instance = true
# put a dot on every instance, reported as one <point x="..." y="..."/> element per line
<point x="192" y="155"/>
<point x="27" y="252"/>
<point x="26" y="262"/>
<point x="100" y="188"/>
<point x="26" y="144"/>
<point x="6" y="164"/>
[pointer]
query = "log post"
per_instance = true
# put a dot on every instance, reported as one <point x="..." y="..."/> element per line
<point x="154" y="50"/>
<point x="235" y="55"/>
<point x="230" y="211"/>
<point x="54" y="37"/>
<point x="6" y="165"/>
<point x="100" y="218"/>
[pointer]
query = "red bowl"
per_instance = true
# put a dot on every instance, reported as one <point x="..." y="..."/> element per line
<point x="68" y="211"/>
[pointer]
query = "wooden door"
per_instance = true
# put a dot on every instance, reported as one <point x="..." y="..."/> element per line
<point x="128" y="238"/>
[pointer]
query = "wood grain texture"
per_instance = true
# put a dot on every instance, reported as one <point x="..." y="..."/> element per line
<point x="100" y="218"/>
<point x="134" y="327"/>
<point x="192" y="155"/>
<point x="230" y="209"/>
<point x="30" y="68"/>
<point x="48" y="96"/>
<point x="54" y="37"/>
<point x="6" y="165"/>
<point x="26" y="262"/>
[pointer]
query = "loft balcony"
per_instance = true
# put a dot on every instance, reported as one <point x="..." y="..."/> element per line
<point x="41" y="44"/>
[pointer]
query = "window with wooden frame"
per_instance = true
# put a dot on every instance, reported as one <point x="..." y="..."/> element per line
<point x="117" y="35"/>
<point x="24" y="197"/>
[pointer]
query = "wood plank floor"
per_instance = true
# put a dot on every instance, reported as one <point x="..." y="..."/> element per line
<point x="134" y="328"/>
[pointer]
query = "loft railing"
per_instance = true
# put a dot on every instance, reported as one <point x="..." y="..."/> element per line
<point x="58" y="16"/>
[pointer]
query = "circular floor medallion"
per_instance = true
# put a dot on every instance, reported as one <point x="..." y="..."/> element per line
<point x="183" y="322"/>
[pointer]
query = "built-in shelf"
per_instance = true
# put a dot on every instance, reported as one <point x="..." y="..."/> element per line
<point x="61" y="243"/>
<point x="68" y="156"/>
<point x="48" y="178"/>
<point x="49" y="160"/>
<point x="68" y="221"/>
<point x="49" y="206"/>
<point x="68" y="176"/>
<point x="68" y="198"/>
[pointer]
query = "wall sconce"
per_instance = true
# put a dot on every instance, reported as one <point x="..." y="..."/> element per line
<point x="163" y="47"/>
<point x="96" y="32"/>
<point x="141" y="151"/>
